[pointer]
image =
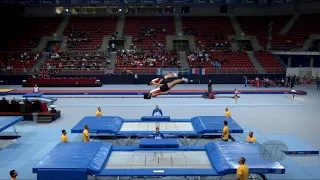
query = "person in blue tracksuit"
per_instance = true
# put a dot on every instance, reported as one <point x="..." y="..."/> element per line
<point x="157" y="111"/>
<point x="158" y="134"/>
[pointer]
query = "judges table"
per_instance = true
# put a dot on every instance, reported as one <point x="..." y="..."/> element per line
<point x="159" y="143"/>
<point x="60" y="81"/>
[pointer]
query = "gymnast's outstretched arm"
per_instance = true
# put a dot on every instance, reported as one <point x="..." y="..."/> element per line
<point x="160" y="81"/>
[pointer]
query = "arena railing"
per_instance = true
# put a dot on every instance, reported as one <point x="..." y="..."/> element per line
<point x="146" y="71"/>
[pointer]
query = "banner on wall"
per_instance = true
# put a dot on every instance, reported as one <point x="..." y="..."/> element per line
<point x="181" y="71"/>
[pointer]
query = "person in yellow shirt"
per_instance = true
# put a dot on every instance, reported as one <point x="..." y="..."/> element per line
<point x="64" y="137"/>
<point x="250" y="138"/>
<point x="85" y="134"/>
<point x="99" y="113"/>
<point x="228" y="114"/>
<point x="13" y="174"/>
<point x="242" y="170"/>
<point x="225" y="131"/>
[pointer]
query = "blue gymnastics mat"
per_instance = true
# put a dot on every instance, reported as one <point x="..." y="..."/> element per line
<point x="296" y="145"/>
<point x="32" y="95"/>
<point x="8" y="121"/>
<point x="113" y="125"/>
<point x="224" y="157"/>
<point x="76" y="155"/>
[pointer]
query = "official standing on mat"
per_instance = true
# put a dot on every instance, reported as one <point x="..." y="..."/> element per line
<point x="64" y="137"/>
<point x="250" y="137"/>
<point x="85" y="134"/>
<point x="228" y="114"/>
<point x="210" y="86"/>
<point x="99" y="113"/>
<point x="13" y="174"/>
<point x="225" y="131"/>
<point x="242" y="170"/>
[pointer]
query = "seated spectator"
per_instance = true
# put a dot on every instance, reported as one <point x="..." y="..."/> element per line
<point x="250" y="138"/>
<point x="157" y="111"/>
<point x="157" y="134"/>
<point x="4" y="105"/>
<point x="36" y="106"/>
<point x="15" y="106"/>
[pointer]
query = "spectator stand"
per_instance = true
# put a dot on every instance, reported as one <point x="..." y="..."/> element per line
<point x="148" y="32"/>
<point x="75" y="62"/>
<point x="148" y="59"/>
<point x="87" y="33"/>
<point x="209" y="32"/>
<point x="17" y="62"/>
<point x="223" y="61"/>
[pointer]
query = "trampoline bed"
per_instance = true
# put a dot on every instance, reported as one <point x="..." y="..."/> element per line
<point x="77" y="159"/>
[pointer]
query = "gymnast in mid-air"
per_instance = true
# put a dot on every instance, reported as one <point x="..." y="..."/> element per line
<point x="158" y="81"/>
<point x="164" y="88"/>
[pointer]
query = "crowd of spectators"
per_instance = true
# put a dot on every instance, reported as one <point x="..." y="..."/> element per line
<point x="76" y="60"/>
<point x="9" y="62"/>
<point x="24" y="106"/>
<point x="150" y="34"/>
<point x="156" y="58"/>
<point x="205" y="57"/>
<point x="77" y="36"/>
<point x="205" y="40"/>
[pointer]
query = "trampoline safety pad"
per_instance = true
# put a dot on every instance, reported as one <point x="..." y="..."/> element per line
<point x="151" y="126"/>
<point x="157" y="159"/>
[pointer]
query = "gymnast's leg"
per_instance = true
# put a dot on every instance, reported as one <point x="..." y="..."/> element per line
<point x="170" y="75"/>
<point x="176" y="81"/>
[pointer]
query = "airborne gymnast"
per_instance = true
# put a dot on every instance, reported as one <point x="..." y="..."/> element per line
<point x="163" y="89"/>
<point x="158" y="81"/>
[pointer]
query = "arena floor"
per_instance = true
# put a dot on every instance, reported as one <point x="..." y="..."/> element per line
<point x="269" y="114"/>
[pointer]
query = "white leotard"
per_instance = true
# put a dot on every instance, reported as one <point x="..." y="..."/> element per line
<point x="36" y="89"/>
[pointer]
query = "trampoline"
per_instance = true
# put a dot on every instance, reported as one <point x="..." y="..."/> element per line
<point x="77" y="160"/>
<point x="8" y="121"/>
<point x="118" y="127"/>
<point x="40" y="97"/>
